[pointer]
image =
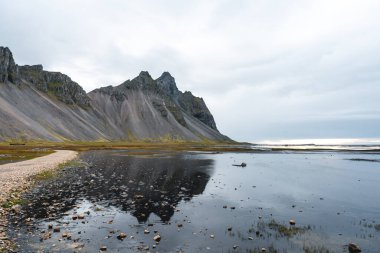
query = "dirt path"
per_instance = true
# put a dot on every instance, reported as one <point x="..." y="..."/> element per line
<point x="15" y="175"/>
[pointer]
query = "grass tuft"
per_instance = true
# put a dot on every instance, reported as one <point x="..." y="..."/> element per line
<point x="9" y="203"/>
<point x="284" y="230"/>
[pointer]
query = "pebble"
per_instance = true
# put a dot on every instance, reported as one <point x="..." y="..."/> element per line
<point x="122" y="236"/>
<point x="353" y="248"/>
<point x="157" y="238"/>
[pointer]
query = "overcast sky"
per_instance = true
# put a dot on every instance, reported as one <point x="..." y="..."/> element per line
<point x="267" y="69"/>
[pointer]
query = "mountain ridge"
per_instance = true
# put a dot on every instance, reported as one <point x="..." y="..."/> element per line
<point x="36" y="104"/>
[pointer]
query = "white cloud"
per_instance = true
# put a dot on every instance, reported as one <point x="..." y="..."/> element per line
<point x="260" y="65"/>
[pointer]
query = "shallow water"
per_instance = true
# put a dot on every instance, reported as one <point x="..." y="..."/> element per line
<point x="192" y="200"/>
<point x="12" y="156"/>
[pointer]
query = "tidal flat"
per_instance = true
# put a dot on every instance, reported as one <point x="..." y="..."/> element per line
<point x="156" y="201"/>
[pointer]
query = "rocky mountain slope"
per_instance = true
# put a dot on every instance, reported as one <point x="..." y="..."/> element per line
<point x="40" y="105"/>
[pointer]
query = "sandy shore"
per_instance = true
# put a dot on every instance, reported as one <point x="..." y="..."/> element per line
<point x="14" y="178"/>
<point x="15" y="175"/>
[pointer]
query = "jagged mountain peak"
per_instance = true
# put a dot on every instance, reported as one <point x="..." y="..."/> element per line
<point x="37" y="67"/>
<point x="140" y="108"/>
<point x="6" y="53"/>
<point x="167" y="83"/>
<point x="8" y="67"/>
<point x="143" y="81"/>
<point x="54" y="83"/>
<point x="144" y="78"/>
<point x="166" y="74"/>
<point x="145" y="74"/>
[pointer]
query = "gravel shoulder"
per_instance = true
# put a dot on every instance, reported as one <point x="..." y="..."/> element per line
<point x="15" y="175"/>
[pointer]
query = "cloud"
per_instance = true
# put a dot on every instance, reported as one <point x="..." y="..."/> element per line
<point x="267" y="69"/>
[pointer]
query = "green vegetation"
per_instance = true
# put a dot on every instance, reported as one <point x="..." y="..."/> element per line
<point x="14" y="201"/>
<point x="168" y="143"/>
<point x="315" y="249"/>
<point x="74" y="163"/>
<point x="176" y="112"/>
<point x="271" y="249"/>
<point x="54" y="86"/>
<point x="284" y="230"/>
<point x="45" y="175"/>
<point x="54" y="90"/>
<point x="20" y="153"/>
<point x="50" y="174"/>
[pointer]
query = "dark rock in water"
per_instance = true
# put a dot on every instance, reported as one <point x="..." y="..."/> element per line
<point x="292" y="222"/>
<point x="103" y="248"/>
<point x="240" y="165"/>
<point x="353" y="248"/>
<point x="157" y="238"/>
<point x="121" y="236"/>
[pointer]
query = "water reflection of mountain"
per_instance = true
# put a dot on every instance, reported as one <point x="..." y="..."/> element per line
<point x="148" y="185"/>
<point x="140" y="185"/>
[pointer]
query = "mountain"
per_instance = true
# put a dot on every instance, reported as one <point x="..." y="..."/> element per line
<point x="41" y="105"/>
